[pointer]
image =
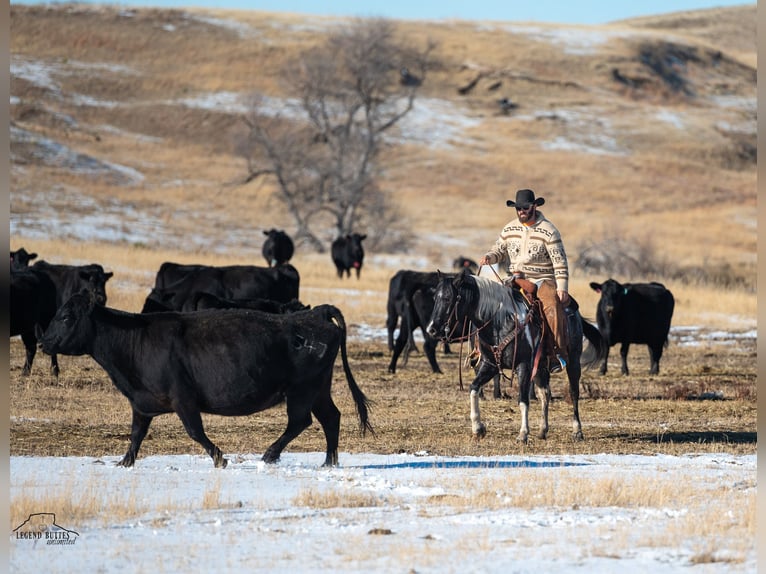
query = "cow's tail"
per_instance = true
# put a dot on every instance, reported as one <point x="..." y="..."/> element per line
<point x="598" y="347"/>
<point x="361" y="401"/>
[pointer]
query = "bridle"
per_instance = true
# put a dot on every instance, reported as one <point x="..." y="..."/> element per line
<point x="497" y="350"/>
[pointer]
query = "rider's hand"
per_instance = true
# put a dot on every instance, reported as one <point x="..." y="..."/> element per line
<point x="484" y="261"/>
<point x="563" y="296"/>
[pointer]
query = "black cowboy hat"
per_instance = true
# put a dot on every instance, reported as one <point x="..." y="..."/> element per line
<point x="525" y="198"/>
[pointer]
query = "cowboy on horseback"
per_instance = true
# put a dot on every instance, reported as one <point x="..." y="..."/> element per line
<point x="532" y="246"/>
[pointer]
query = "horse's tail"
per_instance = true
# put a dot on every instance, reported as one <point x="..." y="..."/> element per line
<point x="361" y="401"/>
<point x="598" y="347"/>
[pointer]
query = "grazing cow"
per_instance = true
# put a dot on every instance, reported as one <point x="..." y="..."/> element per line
<point x="347" y="253"/>
<point x="202" y="301"/>
<point x="230" y="282"/>
<point x="227" y="362"/>
<point x="464" y="263"/>
<point x="278" y="247"/>
<point x="634" y="313"/>
<point x="20" y="259"/>
<point x="36" y="294"/>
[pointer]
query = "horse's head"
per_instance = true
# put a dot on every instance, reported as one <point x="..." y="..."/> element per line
<point x="448" y="311"/>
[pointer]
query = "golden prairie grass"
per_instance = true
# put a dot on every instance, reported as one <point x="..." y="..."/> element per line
<point x="337" y="498"/>
<point x="87" y="503"/>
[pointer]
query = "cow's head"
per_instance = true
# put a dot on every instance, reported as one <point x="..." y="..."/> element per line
<point x="355" y="247"/>
<point x="612" y="294"/>
<point x="71" y="331"/>
<point x="20" y="259"/>
<point x="94" y="279"/>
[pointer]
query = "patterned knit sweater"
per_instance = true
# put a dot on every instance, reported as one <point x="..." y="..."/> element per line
<point x="535" y="250"/>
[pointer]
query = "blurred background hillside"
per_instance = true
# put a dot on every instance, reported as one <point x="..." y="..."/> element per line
<point x="126" y="133"/>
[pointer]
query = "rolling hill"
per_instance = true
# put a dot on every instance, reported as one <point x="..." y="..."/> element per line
<point x="640" y="134"/>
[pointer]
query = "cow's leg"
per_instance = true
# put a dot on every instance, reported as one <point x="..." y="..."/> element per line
<point x="523" y="373"/>
<point x="574" y="372"/>
<point x="30" y="346"/>
<point x="298" y="420"/>
<point x="54" y="365"/>
<point x="429" y="347"/>
<point x="542" y="382"/>
<point x="602" y="371"/>
<point x="624" y="356"/>
<point x="655" y="354"/>
<point x="391" y="321"/>
<point x="192" y="421"/>
<point x="139" y="428"/>
<point x="328" y="415"/>
<point x="399" y="345"/>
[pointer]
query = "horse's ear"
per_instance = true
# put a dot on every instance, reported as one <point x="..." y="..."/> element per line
<point x="439" y="275"/>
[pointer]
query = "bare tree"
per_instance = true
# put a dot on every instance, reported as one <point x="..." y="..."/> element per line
<point x="323" y="146"/>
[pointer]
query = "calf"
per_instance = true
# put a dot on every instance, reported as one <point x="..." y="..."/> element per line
<point x="278" y="247"/>
<point x="224" y="362"/>
<point x="347" y="253"/>
<point x="634" y="313"/>
<point x="36" y="294"/>
<point x="20" y="259"/>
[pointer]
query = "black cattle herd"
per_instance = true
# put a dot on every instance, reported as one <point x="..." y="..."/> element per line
<point x="234" y="340"/>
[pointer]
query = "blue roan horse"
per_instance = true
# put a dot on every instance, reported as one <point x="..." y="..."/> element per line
<point x="509" y="332"/>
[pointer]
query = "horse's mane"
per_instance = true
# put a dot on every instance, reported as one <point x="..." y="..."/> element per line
<point x="494" y="296"/>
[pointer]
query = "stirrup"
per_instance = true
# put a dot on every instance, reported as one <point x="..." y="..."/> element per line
<point x="557" y="365"/>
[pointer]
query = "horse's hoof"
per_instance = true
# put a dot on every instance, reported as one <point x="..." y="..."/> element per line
<point x="480" y="432"/>
<point x="577" y="437"/>
<point x="542" y="435"/>
<point x="522" y="438"/>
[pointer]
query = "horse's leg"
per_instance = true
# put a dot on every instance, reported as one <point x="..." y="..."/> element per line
<point x="542" y="382"/>
<point x="523" y="373"/>
<point x="486" y="371"/>
<point x="574" y="371"/>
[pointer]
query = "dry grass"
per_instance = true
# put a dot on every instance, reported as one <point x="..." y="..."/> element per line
<point x="82" y="503"/>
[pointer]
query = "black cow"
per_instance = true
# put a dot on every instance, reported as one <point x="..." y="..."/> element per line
<point x="170" y="273"/>
<point x="401" y="286"/>
<point x="464" y="263"/>
<point x="634" y="313"/>
<point x="278" y="247"/>
<point x="348" y="253"/>
<point x="400" y="306"/>
<point x="226" y="362"/>
<point x="415" y="313"/>
<point x="231" y="282"/>
<point x="202" y="301"/>
<point x="20" y="259"/>
<point x="39" y="290"/>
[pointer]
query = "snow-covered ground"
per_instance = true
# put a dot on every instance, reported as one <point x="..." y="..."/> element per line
<point x="387" y="513"/>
